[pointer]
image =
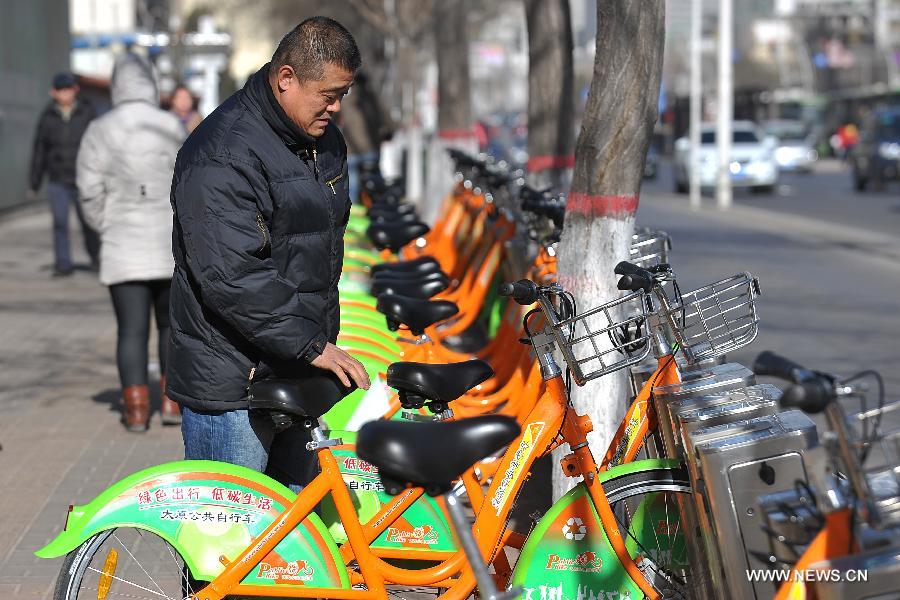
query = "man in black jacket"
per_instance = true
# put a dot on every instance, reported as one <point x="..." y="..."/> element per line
<point x="56" y="141"/>
<point x="261" y="203"/>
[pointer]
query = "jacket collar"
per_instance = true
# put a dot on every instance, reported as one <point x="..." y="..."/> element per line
<point x="260" y="92"/>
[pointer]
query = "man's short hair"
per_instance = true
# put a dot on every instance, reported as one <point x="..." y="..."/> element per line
<point x="309" y="46"/>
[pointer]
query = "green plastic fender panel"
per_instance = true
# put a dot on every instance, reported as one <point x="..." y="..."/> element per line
<point x="568" y="554"/>
<point x="421" y="528"/>
<point x="362" y="405"/>
<point x="205" y="510"/>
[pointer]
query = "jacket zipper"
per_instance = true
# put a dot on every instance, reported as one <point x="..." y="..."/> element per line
<point x="330" y="183"/>
<point x="315" y="165"/>
<point x="263" y="230"/>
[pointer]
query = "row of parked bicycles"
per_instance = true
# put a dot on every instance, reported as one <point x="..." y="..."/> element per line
<point x="713" y="486"/>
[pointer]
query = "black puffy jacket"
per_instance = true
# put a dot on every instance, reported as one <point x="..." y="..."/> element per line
<point x="56" y="142"/>
<point x="260" y="211"/>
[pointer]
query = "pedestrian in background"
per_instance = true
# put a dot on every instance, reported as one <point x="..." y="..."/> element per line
<point x="182" y="105"/>
<point x="365" y="125"/>
<point x="125" y="168"/>
<point x="56" y="141"/>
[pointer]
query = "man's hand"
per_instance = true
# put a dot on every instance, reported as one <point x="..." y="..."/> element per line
<point x="343" y="365"/>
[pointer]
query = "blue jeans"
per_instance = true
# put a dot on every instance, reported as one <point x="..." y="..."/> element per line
<point x="249" y="440"/>
<point x="62" y="196"/>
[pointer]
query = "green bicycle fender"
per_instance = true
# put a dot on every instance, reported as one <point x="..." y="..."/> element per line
<point x="421" y="528"/>
<point x="568" y="550"/>
<point x="353" y="346"/>
<point x="357" y="316"/>
<point x="342" y="414"/>
<point x="367" y="256"/>
<point x="370" y="327"/>
<point x="206" y="510"/>
<point x="361" y="297"/>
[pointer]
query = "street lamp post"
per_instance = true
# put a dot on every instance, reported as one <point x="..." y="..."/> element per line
<point x="725" y="108"/>
<point x="696" y="99"/>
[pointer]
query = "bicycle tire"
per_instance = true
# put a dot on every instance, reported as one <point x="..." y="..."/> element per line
<point x="78" y="572"/>
<point x="630" y="488"/>
<point x="671" y="575"/>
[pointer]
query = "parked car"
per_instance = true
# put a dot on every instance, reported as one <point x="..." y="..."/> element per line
<point x="795" y="149"/>
<point x="752" y="162"/>
<point x="876" y="158"/>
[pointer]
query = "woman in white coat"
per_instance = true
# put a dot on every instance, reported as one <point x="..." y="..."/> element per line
<point x="124" y="172"/>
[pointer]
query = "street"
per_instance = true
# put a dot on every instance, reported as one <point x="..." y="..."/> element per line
<point x="827" y="259"/>
<point x="826" y="194"/>
<point x="830" y="301"/>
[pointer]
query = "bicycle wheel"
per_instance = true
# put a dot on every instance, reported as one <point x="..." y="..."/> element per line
<point x="124" y="563"/>
<point x="651" y="507"/>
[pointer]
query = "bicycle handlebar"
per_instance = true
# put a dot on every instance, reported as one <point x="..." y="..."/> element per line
<point x="810" y="397"/>
<point x="769" y="363"/>
<point x="812" y="392"/>
<point x="635" y="282"/>
<point x="524" y="291"/>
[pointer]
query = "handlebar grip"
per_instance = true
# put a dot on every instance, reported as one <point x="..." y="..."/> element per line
<point x="635" y="282"/>
<point x="627" y="268"/>
<point x="524" y="291"/>
<point x="769" y="363"/>
<point x="810" y="397"/>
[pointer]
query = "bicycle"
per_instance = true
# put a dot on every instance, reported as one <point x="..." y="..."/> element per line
<point x="854" y="509"/>
<point x="599" y="536"/>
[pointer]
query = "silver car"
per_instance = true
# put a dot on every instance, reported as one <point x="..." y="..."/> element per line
<point x="752" y="162"/>
<point x="795" y="150"/>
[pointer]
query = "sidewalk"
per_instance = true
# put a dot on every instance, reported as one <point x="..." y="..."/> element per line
<point x="59" y="402"/>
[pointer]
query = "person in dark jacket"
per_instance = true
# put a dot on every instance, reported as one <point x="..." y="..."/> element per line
<point x="56" y="142"/>
<point x="261" y="204"/>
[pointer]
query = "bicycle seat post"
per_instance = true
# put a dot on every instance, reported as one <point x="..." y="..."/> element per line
<point x="486" y="586"/>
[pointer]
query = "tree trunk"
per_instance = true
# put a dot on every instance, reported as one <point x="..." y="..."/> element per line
<point x="551" y="97"/>
<point x="609" y="159"/>
<point x="454" y="101"/>
<point x="452" y="50"/>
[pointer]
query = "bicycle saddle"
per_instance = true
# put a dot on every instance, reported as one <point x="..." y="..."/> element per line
<point x="410" y="275"/>
<point x="310" y="397"/>
<point x="415" y="313"/>
<point x="393" y="237"/>
<point x="423" y="264"/>
<point x="411" y="288"/>
<point x="393" y="218"/>
<point x="431" y="455"/>
<point x="442" y="382"/>
<point x="391" y="209"/>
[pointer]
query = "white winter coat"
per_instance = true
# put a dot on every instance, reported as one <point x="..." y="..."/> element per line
<point x="124" y="174"/>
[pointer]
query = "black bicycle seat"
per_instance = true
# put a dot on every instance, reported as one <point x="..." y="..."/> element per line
<point x="391" y="209"/>
<point x="411" y="288"/>
<point x="434" y="274"/>
<point x="309" y="397"/>
<point x="441" y="382"/>
<point x="415" y="313"/>
<point x="395" y="236"/>
<point x="423" y="264"/>
<point x="431" y="455"/>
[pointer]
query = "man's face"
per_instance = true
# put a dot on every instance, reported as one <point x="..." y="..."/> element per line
<point x="64" y="96"/>
<point x="311" y="104"/>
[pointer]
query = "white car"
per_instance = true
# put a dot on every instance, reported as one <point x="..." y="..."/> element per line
<point x="795" y="150"/>
<point x="752" y="164"/>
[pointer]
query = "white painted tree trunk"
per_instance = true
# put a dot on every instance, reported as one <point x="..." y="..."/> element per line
<point x="609" y="158"/>
<point x="591" y="281"/>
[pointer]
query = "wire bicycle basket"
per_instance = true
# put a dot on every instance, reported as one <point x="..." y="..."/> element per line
<point x="717" y="318"/>
<point x="649" y="247"/>
<point x="879" y="458"/>
<point x="606" y="338"/>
